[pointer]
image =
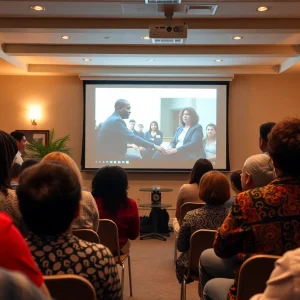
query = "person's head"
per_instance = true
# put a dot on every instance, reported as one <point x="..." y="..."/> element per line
<point x="140" y="127"/>
<point x="20" y="139"/>
<point x="211" y="131"/>
<point x="64" y="159"/>
<point x="111" y="184"/>
<point x="49" y="196"/>
<point x="132" y="124"/>
<point x="122" y="107"/>
<point x="236" y="181"/>
<point x="8" y="151"/>
<point x="214" y="188"/>
<point x="264" y="131"/>
<point x="15" y="171"/>
<point x="154" y="126"/>
<point x="28" y="163"/>
<point x="258" y="170"/>
<point x="188" y="116"/>
<point x="200" y="167"/>
<point x="284" y="147"/>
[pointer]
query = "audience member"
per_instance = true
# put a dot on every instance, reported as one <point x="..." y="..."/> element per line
<point x="190" y="192"/>
<point x="236" y="186"/>
<point x="15" y="172"/>
<point x="21" y="142"/>
<point x="16" y="286"/>
<point x="210" y="142"/>
<point x="49" y="197"/>
<point x="264" y="131"/>
<point x="28" y="163"/>
<point x="8" y="198"/>
<point x="263" y="220"/>
<point x="15" y="255"/>
<point x="214" y="190"/>
<point x="88" y="215"/>
<point x="140" y="131"/>
<point x="283" y="283"/>
<point x="109" y="187"/>
<point x="187" y="141"/>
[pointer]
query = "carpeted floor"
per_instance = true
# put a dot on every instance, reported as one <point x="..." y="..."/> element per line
<point x="153" y="272"/>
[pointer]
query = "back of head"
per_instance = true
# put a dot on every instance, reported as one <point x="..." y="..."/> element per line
<point x="284" y="146"/>
<point x="8" y="151"/>
<point x="17" y="135"/>
<point x="200" y="167"/>
<point x="28" y="163"/>
<point x="64" y="159"/>
<point x="120" y="103"/>
<point x="260" y="168"/>
<point x="264" y="131"/>
<point x="49" y="194"/>
<point x="235" y="178"/>
<point x="214" y="188"/>
<point x="111" y="184"/>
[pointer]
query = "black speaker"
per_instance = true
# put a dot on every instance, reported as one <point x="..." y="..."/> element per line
<point x="156" y="197"/>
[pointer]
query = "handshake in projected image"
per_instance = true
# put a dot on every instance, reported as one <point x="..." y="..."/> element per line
<point x="117" y="141"/>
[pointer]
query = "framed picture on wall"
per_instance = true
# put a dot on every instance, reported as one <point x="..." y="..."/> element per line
<point x="37" y="136"/>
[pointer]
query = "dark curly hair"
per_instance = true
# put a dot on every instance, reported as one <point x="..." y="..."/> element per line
<point x="284" y="146"/>
<point x="194" y="115"/>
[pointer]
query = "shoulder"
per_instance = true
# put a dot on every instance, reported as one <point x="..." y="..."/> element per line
<point x="189" y="186"/>
<point x="132" y="203"/>
<point x="197" y="127"/>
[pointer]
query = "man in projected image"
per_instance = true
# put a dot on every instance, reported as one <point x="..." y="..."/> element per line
<point x="114" y="136"/>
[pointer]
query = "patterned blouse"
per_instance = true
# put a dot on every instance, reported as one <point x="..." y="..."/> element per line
<point x="67" y="254"/>
<point x="264" y="220"/>
<point x="206" y="217"/>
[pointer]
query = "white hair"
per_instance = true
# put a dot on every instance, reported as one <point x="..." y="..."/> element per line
<point x="260" y="168"/>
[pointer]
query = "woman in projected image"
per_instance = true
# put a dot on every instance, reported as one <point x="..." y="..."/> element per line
<point x="187" y="141"/>
<point x="154" y="135"/>
<point x="209" y="143"/>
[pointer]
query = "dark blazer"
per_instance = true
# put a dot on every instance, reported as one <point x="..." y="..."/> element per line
<point x="157" y="139"/>
<point x="114" y="136"/>
<point x="140" y="134"/>
<point x="192" y="147"/>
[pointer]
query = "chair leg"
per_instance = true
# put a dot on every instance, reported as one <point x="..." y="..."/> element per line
<point x="129" y="273"/>
<point x="183" y="290"/>
<point x="122" y="279"/>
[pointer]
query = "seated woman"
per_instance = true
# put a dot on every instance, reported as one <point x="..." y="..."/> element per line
<point x="109" y="187"/>
<point x="88" y="216"/>
<point x="209" y="143"/>
<point x="214" y="190"/>
<point x="154" y="135"/>
<point x="263" y="220"/>
<point x="187" y="141"/>
<point x="190" y="192"/>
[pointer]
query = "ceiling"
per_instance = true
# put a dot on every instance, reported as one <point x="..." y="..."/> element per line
<point x="110" y="35"/>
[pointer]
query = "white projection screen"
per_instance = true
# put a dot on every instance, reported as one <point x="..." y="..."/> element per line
<point x="191" y="121"/>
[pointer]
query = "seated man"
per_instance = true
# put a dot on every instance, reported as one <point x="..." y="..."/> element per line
<point x="49" y="198"/>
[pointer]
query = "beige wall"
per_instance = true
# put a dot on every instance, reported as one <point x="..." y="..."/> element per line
<point x="254" y="99"/>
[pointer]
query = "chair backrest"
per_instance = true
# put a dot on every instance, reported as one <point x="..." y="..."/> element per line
<point x="63" y="287"/>
<point x="88" y="235"/>
<point x="200" y="240"/>
<point x="188" y="206"/>
<point x="109" y="236"/>
<point x="254" y="274"/>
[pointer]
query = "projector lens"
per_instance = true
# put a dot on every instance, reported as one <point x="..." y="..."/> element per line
<point x="169" y="29"/>
<point x="176" y="29"/>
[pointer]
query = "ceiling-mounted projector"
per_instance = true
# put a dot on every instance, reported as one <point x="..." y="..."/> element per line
<point x="168" y="31"/>
<point x="162" y="1"/>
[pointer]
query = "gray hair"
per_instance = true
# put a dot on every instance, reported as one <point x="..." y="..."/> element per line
<point x="261" y="169"/>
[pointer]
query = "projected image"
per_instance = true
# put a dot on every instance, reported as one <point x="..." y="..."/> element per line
<point x="161" y="124"/>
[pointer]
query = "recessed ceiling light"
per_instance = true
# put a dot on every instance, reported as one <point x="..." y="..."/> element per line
<point x="262" y="8"/>
<point x="87" y="59"/>
<point x="237" y="38"/>
<point x="151" y="60"/>
<point x="65" y="37"/>
<point x="218" y="60"/>
<point x="37" y="7"/>
<point x="146" y="37"/>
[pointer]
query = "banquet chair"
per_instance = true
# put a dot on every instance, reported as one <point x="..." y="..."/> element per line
<point x="88" y="235"/>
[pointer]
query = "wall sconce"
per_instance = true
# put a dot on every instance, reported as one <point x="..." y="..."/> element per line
<point x="34" y="114"/>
